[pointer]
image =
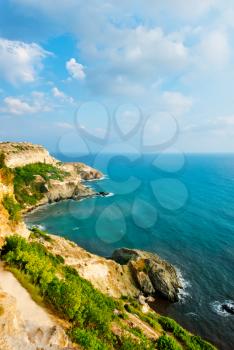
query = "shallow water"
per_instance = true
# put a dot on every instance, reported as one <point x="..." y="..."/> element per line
<point x="186" y="216"/>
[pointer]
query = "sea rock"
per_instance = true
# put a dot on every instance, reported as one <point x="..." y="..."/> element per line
<point x="153" y="275"/>
<point x="228" y="307"/>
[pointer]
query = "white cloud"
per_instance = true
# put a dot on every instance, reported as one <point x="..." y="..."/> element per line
<point x="64" y="125"/>
<point x="21" y="106"/>
<point x="61" y="95"/>
<point x="17" y="106"/>
<point x="176" y="102"/>
<point x="218" y="124"/>
<point x="215" y="49"/>
<point x="19" y="61"/>
<point x="75" y="69"/>
<point x="147" y="51"/>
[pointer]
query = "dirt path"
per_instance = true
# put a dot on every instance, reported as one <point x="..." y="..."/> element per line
<point x="29" y="310"/>
<point x="24" y="325"/>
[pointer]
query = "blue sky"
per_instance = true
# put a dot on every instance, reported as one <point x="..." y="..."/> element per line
<point x="70" y="72"/>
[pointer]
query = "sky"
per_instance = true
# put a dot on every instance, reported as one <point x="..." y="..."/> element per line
<point x="86" y="75"/>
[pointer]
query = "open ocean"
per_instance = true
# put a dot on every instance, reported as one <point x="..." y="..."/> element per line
<point x="186" y="215"/>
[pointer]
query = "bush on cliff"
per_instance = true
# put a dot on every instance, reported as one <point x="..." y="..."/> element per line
<point x="30" y="180"/>
<point x="12" y="207"/>
<point x="73" y="297"/>
<point x="166" y="342"/>
<point x="190" y="341"/>
<point x="6" y="173"/>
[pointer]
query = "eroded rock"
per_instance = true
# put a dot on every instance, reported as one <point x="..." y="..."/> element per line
<point x="152" y="274"/>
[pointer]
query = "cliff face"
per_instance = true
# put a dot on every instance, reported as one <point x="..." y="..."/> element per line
<point x="49" y="181"/>
<point x="18" y="154"/>
<point x="7" y="226"/>
<point x="50" y="188"/>
<point x="153" y="275"/>
<point x="106" y="275"/>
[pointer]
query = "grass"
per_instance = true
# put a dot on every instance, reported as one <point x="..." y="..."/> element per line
<point x="12" y="207"/>
<point x="166" y="342"/>
<point x="6" y="173"/>
<point x="25" y="282"/>
<point x="30" y="181"/>
<point x="90" y="313"/>
<point x="190" y="341"/>
<point x="37" y="233"/>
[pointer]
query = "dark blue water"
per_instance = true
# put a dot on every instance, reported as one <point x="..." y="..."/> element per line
<point x="184" y="213"/>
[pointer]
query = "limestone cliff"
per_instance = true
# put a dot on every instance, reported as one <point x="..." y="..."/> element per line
<point x="18" y="154"/>
<point x="8" y="226"/>
<point x="153" y="275"/>
<point x="65" y="185"/>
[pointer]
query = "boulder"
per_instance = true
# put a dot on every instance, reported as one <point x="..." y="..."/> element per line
<point x="153" y="275"/>
<point x="228" y="307"/>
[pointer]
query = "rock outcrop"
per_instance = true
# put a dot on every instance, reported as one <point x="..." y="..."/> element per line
<point x="7" y="227"/>
<point x="71" y="187"/>
<point x="105" y="274"/>
<point x="19" y="154"/>
<point x="152" y="275"/>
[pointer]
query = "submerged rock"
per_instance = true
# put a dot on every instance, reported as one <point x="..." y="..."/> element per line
<point x="152" y="274"/>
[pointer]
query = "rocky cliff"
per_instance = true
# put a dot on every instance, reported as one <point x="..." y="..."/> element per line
<point x="48" y="181"/>
<point x="152" y="275"/>
<point x="18" y="154"/>
<point x="36" y="178"/>
<point x="7" y="226"/>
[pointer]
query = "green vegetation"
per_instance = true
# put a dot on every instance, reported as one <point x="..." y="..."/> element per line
<point x="2" y="160"/>
<point x="30" y="180"/>
<point x="24" y="281"/>
<point x="6" y="173"/>
<point x="165" y="342"/>
<point x="189" y="341"/>
<point x="130" y="344"/>
<point x="71" y="296"/>
<point x="12" y="207"/>
<point x="90" y="313"/>
<point x="150" y="318"/>
<point x="88" y="339"/>
<point x="37" y="233"/>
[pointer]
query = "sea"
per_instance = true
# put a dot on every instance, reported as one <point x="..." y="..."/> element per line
<point x="181" y="210"/>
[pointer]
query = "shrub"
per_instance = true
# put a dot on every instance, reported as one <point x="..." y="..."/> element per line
<point x="2" y="160"/>
<point x="27" y="189"/>
<point x="190" y="341"/>
<point x="136" y="344"/>
<point x="72" y="296"/>
<point x="12" y="207"/>
<point x="37" y="233"/>
<point x="6" y="173"/>
<point x="88" y="339"/>
<point x="166" y="342"/>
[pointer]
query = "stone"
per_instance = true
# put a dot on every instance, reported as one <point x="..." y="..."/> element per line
<point x="153" y="275"/>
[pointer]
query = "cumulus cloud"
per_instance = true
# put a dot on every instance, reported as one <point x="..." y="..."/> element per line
<point x="21" y="106"/>
<point x="215" y="49"/>
<point x="19" y="61"/>
<point x="17" y="106"/>
<point x="61" y="95"/>
<point x="75" y="69"/>
<point x="144" y="50"/>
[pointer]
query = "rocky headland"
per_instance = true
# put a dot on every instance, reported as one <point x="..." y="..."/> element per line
<point x="30" y="177"/>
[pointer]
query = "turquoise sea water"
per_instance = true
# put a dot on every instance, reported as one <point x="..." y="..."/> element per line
<point x="186" y="215"/>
